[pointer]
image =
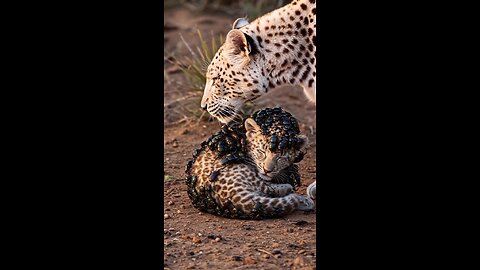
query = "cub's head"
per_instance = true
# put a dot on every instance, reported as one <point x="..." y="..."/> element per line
<point x="272" y="145"/>
<point x="234" y="76"/>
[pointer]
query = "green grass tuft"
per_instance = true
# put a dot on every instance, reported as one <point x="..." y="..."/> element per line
<point x="194" y="67"/>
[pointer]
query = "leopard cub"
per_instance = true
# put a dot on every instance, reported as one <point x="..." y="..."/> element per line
<point x="247" y="170"/>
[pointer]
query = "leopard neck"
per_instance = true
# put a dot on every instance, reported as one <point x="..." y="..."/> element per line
<point x="285" y="39"/>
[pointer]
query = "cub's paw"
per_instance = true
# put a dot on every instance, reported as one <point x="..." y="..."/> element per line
<point x="306" y="204"/>
<point x="312" y="190"/>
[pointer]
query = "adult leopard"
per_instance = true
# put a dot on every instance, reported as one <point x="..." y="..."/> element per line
<point x="278" y="48"/>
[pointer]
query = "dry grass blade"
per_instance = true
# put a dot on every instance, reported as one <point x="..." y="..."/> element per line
<point x="195" y="66"/>
<point x="189" y="49"/>
<point x="206" y="51"/>
<point x="178" y="100"/>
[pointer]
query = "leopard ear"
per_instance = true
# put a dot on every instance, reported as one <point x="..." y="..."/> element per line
<point x="237" y="49"/>
<point x="239" y="23"/>
<point x="251" y="125"/>
<point x="303" y="143"/>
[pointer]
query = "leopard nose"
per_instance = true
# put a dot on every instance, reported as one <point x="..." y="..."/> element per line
<point x="266" y="171"/>
<point x="204" y="103"/>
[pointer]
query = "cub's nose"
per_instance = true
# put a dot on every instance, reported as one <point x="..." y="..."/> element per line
<point x="204" y="107"/>
<point x="266" y="171"/>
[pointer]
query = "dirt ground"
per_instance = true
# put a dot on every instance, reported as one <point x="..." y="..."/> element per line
<point x="195" y="240"/>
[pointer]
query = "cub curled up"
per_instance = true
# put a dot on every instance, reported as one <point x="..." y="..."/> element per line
<point x="247" y="170"/>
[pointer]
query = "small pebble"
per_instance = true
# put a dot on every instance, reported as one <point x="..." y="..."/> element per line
<point x="237" y="258"/>
<point x="171" y="203"/>
<point x="265" y="256"/>
<point x="217" y="239"/>
<point x="275" y="245"/>
<point x="196" y="240"/>
<point x="166" y="216"/>
<point x="247" y="227"/>
<point x="300" y="261"/>
<point x="249" y="260"/>
<point x="300" y="222"/>
<point x="276" y="251"/>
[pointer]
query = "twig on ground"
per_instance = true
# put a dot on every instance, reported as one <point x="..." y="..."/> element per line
<point x="264" y="251"/>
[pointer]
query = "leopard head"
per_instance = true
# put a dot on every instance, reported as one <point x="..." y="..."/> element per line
<point x="234" y="76"/>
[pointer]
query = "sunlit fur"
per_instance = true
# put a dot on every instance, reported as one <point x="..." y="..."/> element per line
<point x="281" y="51"/>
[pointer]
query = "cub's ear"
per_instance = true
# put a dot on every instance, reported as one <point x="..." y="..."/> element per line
<point x="237" y="48"/>
<point x="303" y="143"/>
<point x="239" y="23"/>
<point x="251" y="126"/>
<point x="302" y="148"/>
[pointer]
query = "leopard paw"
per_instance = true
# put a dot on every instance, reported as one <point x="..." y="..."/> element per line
<point x="312" y="190"/>
<point x="306" y="204"/>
